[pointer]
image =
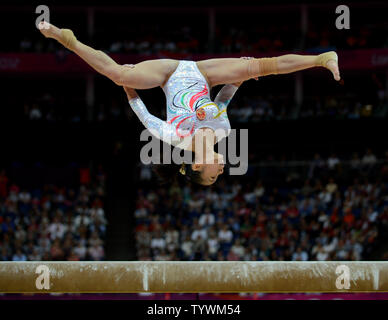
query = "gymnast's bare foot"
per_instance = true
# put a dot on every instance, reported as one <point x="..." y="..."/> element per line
<point x="49" y="30"/>
<point x="332" y="65"/>
<point x="64" y="36"/>
<point x="329" y="60"/>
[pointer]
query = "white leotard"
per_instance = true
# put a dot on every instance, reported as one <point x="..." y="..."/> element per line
<point x="187" y="91"/>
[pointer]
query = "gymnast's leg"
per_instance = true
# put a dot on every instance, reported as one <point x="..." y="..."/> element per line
<point x="231" y="70"/>
<point x="145" y="75"/>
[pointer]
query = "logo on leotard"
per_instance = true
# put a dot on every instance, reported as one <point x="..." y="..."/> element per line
<point x="201" y="114"/>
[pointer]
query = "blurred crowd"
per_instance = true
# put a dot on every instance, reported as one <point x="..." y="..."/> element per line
<point x="171" y="35"/>
<point x="247" y="107"/>
<point x="270" y="108"/>
<point x="52" y="222"/>
<point x="187" y="38"/>
<point x="329" y="216"/>
<point x="229" y="39"/>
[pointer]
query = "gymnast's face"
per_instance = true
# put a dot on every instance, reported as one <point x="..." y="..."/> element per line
<point x="209" y="172"/>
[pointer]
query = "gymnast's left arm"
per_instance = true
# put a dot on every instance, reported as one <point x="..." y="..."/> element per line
<point x="159" y="128"/>
<point x="226" y="94"/>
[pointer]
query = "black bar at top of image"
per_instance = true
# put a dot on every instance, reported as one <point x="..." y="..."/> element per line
<point x="177" y="3"/>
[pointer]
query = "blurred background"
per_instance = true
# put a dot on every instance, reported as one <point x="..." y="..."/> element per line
<point x="71" y="183"/>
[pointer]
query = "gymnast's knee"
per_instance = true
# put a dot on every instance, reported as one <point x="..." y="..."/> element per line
<point x="262" y="67"/>
<point x="117" y="74"/>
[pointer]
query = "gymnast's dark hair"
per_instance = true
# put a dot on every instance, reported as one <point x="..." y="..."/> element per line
<point x="170" y="173"/>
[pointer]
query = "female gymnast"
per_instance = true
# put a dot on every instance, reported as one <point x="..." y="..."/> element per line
<point x="191" y="115"/>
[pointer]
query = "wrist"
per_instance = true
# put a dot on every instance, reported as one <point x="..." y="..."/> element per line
<point x="131" y="99"/>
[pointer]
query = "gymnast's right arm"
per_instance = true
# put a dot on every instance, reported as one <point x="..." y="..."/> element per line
<point x="159" y="128"/>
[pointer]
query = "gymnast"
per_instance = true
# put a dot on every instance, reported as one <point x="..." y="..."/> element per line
<point x="191" y="114"/>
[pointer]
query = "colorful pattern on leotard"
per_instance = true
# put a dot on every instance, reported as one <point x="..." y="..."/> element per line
<point x="186" y="92"/>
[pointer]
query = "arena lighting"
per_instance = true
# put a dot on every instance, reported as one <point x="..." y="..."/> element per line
<point x="192" y="277"/>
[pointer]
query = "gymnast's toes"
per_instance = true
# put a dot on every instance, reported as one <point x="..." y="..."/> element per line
<point x="329" y="60"/>
<point x="332" y="65"/>
<point x="45" y="28"/>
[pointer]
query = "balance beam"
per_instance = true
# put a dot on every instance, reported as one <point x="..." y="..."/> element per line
<point x="192" y="277"/>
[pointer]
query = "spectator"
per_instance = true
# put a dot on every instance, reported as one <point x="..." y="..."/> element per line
<point x="369" y="159"/>
<point x="94" y="239"/>
<point x="35" y="255"/>
<point x="331" y="187"/>
<point x="35" y="113"/>
<point x="56" y="229"/>
<point x="56" y="250"/>
<point x="300" y="255"/>
<point x="213" y="244"/>
<point x="96" y="252"/>
<point x="158" y="242"/>
<point x="320" y="253"/>
<point x="225" y="235"/>
<point x="19" y="256"/>
<point x="187" y="248"/>
<point x="238" y="249"/>
<point x="80" y="251"/>
<point x="81" y="219"/>
<point x="199" y="233"/>
<point x="333" y="161"/>
<point x="73" y="256"/>
<point x="207" y="219"/>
